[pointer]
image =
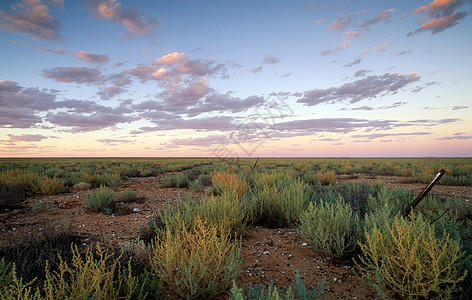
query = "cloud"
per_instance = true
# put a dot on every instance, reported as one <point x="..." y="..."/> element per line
<point x="169" y="68"/>
<point x="366" y="88"/>
<point x="378" y="48"/>
<point x="441" y="16"/>
<point x="74" y="74"/>
<point x="383" y="16"/>
<point x="457" y="136"/>
<point x="92" y="58"/>
<point x="341" y="46"/>
<point x="405" y="52"/>
<point x="343" y="22"/>
<point x="42" y="49"/>
<point x="134" y="20"/>
<point x="336" y="125"/>
<point x="113" y="142"/>
<point x="353" y="63"/>
<point x="362" y="73"/>
<point x="25" y="138"/>
<point x="202" y="142"/>
<point x="457" y="107"/>
<point x="320" y="20"/>
<point x="225" y="103"/>
<point x="352" y="34"/>
<point x="220" y="123"/>
<point x="268" y="60"/>
<point x="373" y="136"/>
<point x="31" y="18"/>
<point x="81" y="122"/>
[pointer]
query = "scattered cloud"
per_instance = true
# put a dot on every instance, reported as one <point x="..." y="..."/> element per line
<point x="457" y="136"/>
<point x="42" y="49"/>
<point x="378" y="48"/>
<point x="373" y="136"/>
<point x="31" y="18"/>
<point x="409" y="51"/>
<point x="366" y="88"/>
<point x="319" y="21"/>
<point x="74" y="74"/>
<point x="441" y="15"/>
<point x="362" y="73"/>
<point x="344" y="22"/>
<point x="268" y="60"/>
<point x="386" y="16"/>
<point x="353" y="63"/>
<point x="457" y="107"/>
<point x="341" y="46"/>
<point x="351" y="34"/>
<point x="25" y="138"/>
<point x="134" y="20"/>
<point x="92" y="58"/>
<point x="113" y="142"/>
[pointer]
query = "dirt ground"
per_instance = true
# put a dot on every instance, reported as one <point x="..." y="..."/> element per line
<point x="269" y="255"/>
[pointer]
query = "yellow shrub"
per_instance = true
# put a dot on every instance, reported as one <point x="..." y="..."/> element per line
<point x="407" y="261"/>
<point x="196" y="263"/>
<point x="48" y="186"/>
<point x="229" y="182"/>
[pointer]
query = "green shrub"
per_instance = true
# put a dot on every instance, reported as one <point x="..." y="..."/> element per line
<point x="48" y="186"/>
<point x="5" y="274"/>
<point x="407" y="261"/>
<point x="260" y="291"/>
<point x="102" y="200"/>
<point x="197" y="263"/>
<point x="128" y="195"/>
<point x="196" y="185"/>
<point x="330" y="228"/>
<point x="280" y="204"/>
<point x="180" y="180"/>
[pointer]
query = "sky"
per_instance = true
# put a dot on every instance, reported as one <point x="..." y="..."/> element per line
<point x="116" y="78"/>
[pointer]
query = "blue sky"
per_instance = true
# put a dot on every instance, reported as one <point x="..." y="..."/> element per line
<point x="244" y="78"/>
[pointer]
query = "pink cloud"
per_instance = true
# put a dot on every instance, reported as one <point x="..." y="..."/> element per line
<point x="134" y="20"/>
<point x="92" y="58"/>
<point x="378" y="48"/>
<point x="31" y="18"/>
<point x="171" y="58"/>
<point x="385" y="15"/>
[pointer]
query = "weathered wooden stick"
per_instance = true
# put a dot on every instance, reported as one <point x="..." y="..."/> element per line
<point x="255" y="163"/>
<point x="423" y="194"/>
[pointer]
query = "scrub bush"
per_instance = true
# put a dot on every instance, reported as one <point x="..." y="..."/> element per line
<point x="330" y="228"/>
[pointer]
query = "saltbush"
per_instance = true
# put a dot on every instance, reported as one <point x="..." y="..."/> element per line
<point x="102" y="200"/>
<point x="128" y="195"/>
<point x="330" y="228"/>
<point x="407" y="261"/>
<point x="196" y="263"/>
<point x="48" y="186"/>
<point x="228" y="182"/>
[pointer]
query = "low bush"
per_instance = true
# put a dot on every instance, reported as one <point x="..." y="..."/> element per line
<point x="48" y="186"/>
<point x="228" y="182"/>
<point x="260" y="291"/>
<point x="331" y="228"/>
<point x="196" y="263"/>
<point x="180" y="180"/>
<point x="81" y="186"/>
<point x="102" y="200"/>
<point x="280" y="204"/>
<point x="324" y="178"/>
<point x="407" y="261"/>
<point x="128" y="195"/>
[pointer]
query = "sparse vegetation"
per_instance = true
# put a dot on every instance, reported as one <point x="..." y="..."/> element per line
<point x="428" y="256"/>
<point x="102" y="200"/>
